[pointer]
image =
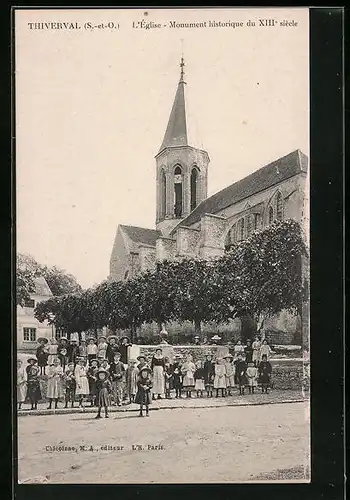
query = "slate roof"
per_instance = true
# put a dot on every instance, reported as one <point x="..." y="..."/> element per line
<point x="267" y="176"/>
<point x="141" y="234"/>
<point x="41" y="287"/>
<point x="176" y="131"/>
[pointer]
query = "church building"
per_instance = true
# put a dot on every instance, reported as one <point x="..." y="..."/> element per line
<point x="190" y="224"/>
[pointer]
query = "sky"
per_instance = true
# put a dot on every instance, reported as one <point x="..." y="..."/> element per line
<point x="92" y="108"/>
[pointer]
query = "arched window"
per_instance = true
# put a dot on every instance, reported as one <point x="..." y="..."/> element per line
<point x="194" y="179"/>
<point x="178" y="191"/>
<point x="279" y="206"/>
<point x="163" y="194"/>
<point x="256" y="222"/>
<point x="270" y="215"/>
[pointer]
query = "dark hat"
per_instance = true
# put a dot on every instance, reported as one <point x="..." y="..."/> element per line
<point x="73" y="340"/>
<point x="178" y="356"/>
<point x="146" y="368"/>
<point x="43" y="339"/>
<point x="208" y="354"/>
<point x="102" y="337"/>
<point x="80" y="358"/>
<point x="91" y="338"/>
<point x="102" y="370"/>
<point x="125" y="337"/>
<point x="32" y="359"/>
<point x="140" y="357"/>
<point x="112" y="337"/>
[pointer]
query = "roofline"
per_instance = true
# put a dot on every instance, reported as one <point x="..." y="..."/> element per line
<point x="181" y="147"/>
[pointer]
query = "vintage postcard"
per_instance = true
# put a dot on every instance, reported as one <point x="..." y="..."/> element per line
<point x="162" y="278"/>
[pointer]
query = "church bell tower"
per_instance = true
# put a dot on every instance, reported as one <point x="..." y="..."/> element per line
<point x="182" y="169"/>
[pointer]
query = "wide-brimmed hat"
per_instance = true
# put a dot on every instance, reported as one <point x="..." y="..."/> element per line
<point x="41" y="339"/>
<point x="124" y="337"/>
<point x="178" y="356"/>
<point x="208" y="353"/>
<point x="102" y="370"/>
<point x="216" y="337"/>
<point x="64" y="338"/>
<point x="132" y="361"/>
<point x="74" y="340"/>
<point x="112" y="337"/>
<point x="91" y="338"/>
<point x="228" y="356"/>
<point x="32" y="359"/>
<point x="146" y="368"/>
<point x="102" y="337"/>
<point x="141" y="356"/>
<point x="80" y="358"/>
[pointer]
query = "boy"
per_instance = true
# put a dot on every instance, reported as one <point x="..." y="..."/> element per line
<point x="70" y="385"/>
<point x="104" y="388"/>
<point x="117" y="371"/>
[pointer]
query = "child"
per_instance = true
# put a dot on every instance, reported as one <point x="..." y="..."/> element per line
<point x="168" y="375"/>
<point x="70" y="385"/>
<point x="220" y="377"/>
<point x="144" y="386"/>
<point x="248" y="352"/>
<point x="252" y="377"/>
<point x="104" y="364"/>
<point x="241" y="368"/>
<point x="21" y="383"/>
<point x="92" y="378"/>
<point x="54" y="383"/>
<point x="52" y="351"/>
<point x="42" y="354"/>
<point x="188" y="369"/>
<point x="112" y="348"/>
<point x="142" y="362"/>
<point x="256" y="351"/>
<point x="238" y="349"/>
<point x="80" y="375"/>
<point x="117" y="373"/>
<point x="104" y="388"/>
<point x="82" y="350"/>
<point x="91" y="350"/>
<point x="199" y="379"/>
<point x="177" y="376"/>
<point x="33" y="384"/>
<point x="131" y="376"/>
<point x="73" y="351"/>
<point x="102" y="347"/>
<point x="229" y="373"/>
<point x="209" y="372"/>
<point x="63" y="357"/>
<point x="265" y="370"/>
<point x="265" y="350"/>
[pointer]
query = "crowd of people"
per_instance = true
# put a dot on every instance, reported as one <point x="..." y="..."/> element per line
<point x="100" y="373"/>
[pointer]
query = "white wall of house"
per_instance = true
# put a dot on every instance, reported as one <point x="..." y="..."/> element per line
<point x="30" y="329"/>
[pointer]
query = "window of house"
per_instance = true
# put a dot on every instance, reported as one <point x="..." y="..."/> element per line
<point x="29" y="334"/>
<point x="29" y="303"/>
<point x="270" y="215"/>
<point x="279" y="207"/>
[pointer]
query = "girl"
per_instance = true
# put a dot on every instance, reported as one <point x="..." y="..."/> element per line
<point x="265" y="350"/>
<point x="92" y="378"/>
<point x="82" y="351"/>
<point x="229" y="373"/>
<point x="241" y="368"/>
<point x="104" y="389"/>
<point x="220" y="378"/>
<point x="102" y="347"/>
<point x="70" y="385"/>
<point x="188" y="369"/>
<point x="80" y="375"/>
<point x="104" y="364"/>
<point x="123" y="349"/>
<point x="168" y="374"/>
<point x="63" y="357"/>
<point x="54" y="383"/>
<point x="248" y="352"/>
<point x="157" y="366"/>
<point x="199" y="379"/>
<point x="209" y="372"/>
<point x="256" y="350"/>
<point x="252" y="377"/>
<point x="265" y="370"/>
<point x="144" y="386"/>
<point x="238" y="349"/>
<point x="33" y="384"/>
<point x="131" y="380"/>
<point x="177" y="376"/>
<point x="21" y="383"/>
<point x="142" y="362"/>
<point x="112" y="348"/>
<point x="42" y="354"/>
<point x="73" y="351"/>
<point x="52" y="351"/>
<point x="91" y="350"/>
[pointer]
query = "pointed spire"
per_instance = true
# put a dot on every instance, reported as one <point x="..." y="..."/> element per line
<point x="176" y="131"/>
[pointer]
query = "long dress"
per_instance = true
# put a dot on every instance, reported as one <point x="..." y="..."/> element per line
<point x="241" y="369"/>
<point x="188" y="369"/>
<point x="143" y="395"/>
<point x="80" y="374"/>
<point x="54" y="382"/>
<point x="42" y="355"/>
<point x="33" y="384"/>
<point x="52" y="350"/>
<point x="209" y="372"/>
<point x="21" y="385"/>
<point x="248" y="354"/>
<point x="256" y="351"/>
<point x="220" y="377"/>
<point x="177" y="376"/>
<point x="199" y="379"/>
<point x="230" y="374"/>
<point x="168" y="374"/>
<point x="265" y="350"/>
<point x="157" y="367"/>
<point x="265" y="370"/>
<point x="102" y="349"/>
<point x="104" y="388"/>
<point x="252" y="376"/>
<point x="131" y="380"/>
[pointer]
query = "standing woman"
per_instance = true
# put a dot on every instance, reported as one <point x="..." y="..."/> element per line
<point x="158" y="367"/>
<point x="124" y="350"/>
<point x="42" y="354"/>
<point x="256" y="351"/>
<point x="188" y="369"/>
<point x="81" y="379"/>
<point x="21" y="383"/>
<point x="33" y="384"/>
<point x="54" y="383"/>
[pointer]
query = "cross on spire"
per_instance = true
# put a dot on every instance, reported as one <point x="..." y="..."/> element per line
<point x="182" y="65"/>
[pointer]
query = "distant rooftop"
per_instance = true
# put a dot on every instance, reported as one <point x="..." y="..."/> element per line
<point x="41" y="287"/>
<point x="141" y="235"/>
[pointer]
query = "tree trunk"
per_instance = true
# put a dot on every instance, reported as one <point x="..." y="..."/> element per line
<point x="132" y="334"/>
<point x="248" y="327"/>
<point x="198" y="328"/>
